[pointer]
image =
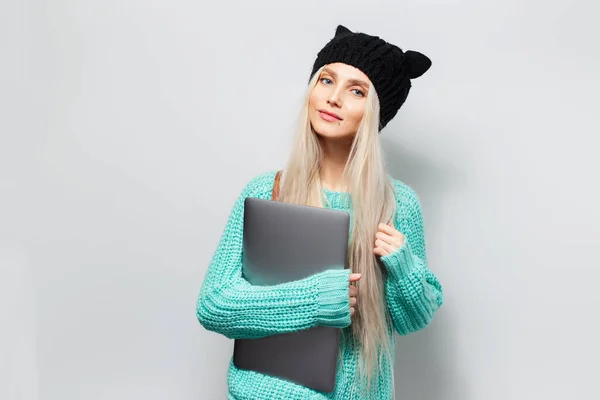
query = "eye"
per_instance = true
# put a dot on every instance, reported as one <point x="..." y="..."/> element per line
<point x="358" y="92"/>
<point x="326" y="81"/>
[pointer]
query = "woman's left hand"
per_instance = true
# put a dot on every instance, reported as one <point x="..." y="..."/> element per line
<point x="387" y="240"/>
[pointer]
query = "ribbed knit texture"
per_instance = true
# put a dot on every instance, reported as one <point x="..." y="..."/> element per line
<point x="229" y="305"/>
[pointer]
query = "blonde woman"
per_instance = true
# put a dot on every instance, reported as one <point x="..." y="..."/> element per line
<point x="357" y="85"/>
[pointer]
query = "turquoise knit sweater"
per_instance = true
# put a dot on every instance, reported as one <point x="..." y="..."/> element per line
<point x="229" y="305"/>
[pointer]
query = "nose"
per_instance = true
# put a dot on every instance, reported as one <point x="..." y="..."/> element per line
<point x="334" y="99"/>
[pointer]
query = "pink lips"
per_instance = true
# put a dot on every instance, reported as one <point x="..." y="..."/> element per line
<point x="329" y="116"/>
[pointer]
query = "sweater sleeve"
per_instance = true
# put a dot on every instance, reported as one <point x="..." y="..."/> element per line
<point x="413" y="292"/>
<point x="230" y="305"/>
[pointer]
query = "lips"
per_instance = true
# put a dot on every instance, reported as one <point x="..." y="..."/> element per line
<point x="329" y="116"/>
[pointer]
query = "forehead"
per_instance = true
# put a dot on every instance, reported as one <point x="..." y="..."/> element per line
<point x="345" y="71"/>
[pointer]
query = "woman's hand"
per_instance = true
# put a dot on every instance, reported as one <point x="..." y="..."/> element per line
<point x="387" y="240"/>
<point x="353" y="291"/>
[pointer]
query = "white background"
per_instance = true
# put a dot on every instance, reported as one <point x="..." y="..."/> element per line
<point x="128" y="128"/>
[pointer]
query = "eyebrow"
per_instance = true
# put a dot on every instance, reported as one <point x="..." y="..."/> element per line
<point x="358" y="82"/>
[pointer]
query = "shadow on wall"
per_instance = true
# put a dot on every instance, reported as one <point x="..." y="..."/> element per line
<point x="425" y="360"/>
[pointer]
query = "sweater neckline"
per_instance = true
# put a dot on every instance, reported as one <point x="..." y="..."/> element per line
<point x="337" y="200"/>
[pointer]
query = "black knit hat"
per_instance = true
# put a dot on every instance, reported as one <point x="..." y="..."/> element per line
<point x="387" y="66"/>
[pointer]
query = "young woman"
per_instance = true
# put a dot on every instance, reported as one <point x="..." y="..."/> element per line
<point x="357" y="85"/>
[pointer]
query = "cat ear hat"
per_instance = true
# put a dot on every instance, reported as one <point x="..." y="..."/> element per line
<point x="388" y="67"/>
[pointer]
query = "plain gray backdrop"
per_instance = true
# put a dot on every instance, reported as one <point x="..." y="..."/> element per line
<point x="128" y="129"/>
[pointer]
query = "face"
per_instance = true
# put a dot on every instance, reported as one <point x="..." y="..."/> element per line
<point x="337" y="102"/>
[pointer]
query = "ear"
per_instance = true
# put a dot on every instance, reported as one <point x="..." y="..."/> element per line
<point x="342" y="30"/>
<point x="418" y="63"/>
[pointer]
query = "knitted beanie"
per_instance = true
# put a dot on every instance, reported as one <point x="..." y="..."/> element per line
<point x="387" y="66"/>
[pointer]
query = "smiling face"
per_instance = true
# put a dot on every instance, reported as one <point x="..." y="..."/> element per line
<point x="337" y="102"/>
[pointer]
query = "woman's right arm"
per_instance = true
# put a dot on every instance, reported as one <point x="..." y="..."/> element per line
<point x="231" y="306"/>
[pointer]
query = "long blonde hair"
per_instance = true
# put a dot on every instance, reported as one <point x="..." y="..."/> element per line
<point x="372" y="197"/>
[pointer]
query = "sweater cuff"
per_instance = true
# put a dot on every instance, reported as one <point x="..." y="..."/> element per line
<point x="334" y="298"/>
<point x="400" y="263"/>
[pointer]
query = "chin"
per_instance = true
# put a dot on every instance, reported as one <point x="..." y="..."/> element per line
<point x="331" y="131"/>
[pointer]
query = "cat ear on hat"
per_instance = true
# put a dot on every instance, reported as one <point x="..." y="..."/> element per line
<point x="417" y="63"/>
<point x="340" y="30"/>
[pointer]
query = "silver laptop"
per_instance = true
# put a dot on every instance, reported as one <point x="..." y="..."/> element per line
<point x="285" y="242"/>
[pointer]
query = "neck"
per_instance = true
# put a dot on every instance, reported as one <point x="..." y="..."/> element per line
<point x="335" y="156"/>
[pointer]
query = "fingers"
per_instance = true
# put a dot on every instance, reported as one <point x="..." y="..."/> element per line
<point x="394" y="239"/>
<point x="385" y="237"/>
<point x="384" y="246"/>
<point x="388" y="238"/>
<point x="380" y="251"/>
<point x="385" y="228"/>
<point x="353" y="292"/>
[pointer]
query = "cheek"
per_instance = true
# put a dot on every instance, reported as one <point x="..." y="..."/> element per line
<point x="315" y="96"/>
<point x="355" y="113"/>
<point x="311" y="98"/>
